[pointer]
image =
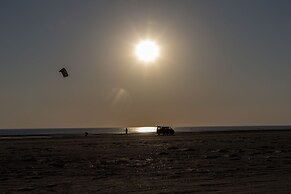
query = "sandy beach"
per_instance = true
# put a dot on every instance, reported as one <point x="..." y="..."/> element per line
<point x="217" y="162"/>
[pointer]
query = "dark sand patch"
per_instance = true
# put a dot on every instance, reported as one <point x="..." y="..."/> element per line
<point x="256" y="162"/>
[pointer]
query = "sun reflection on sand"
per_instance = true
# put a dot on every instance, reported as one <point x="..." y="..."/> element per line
<point x="145" y="129"/>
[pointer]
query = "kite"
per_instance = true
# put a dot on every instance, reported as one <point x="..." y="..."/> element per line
<point x="64" y="72"/>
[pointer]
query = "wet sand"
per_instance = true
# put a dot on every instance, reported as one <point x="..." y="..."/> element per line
<point x="225" y="162"/>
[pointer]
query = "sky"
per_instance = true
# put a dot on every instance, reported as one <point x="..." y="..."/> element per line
<point x="222" y="62"/>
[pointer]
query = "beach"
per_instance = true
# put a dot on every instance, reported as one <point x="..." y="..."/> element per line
<point x="212" y="162"/>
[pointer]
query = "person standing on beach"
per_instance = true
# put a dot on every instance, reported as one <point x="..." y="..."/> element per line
<point x="126" y="130"/>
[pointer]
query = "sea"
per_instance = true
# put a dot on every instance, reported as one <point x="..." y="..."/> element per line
<point x="131" y="130"/>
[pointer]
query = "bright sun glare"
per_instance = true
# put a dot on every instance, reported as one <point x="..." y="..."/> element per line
<point x="147" y="51"/>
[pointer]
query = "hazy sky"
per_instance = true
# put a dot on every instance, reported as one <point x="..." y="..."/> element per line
<point x="223" y="62"/>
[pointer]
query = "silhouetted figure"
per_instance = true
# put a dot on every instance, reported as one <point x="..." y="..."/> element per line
<point x="64" y="72"/>
<point x="126" y="131"/>
<point x="86" y="134"/>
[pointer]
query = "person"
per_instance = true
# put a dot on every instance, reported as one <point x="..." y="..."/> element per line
<point x="86" y="134"/>
<point x="126" y="131"/>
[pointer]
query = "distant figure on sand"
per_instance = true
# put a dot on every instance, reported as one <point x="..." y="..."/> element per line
<point x="86" y="134"/>
<point x="126" y="131"/>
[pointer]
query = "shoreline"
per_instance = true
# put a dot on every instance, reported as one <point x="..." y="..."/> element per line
<point x="142" y="133"/>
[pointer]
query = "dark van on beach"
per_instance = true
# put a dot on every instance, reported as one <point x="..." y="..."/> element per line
<point x="165" y="130"/>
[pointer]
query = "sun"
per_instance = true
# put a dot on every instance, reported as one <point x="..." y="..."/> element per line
<point x="147" y="51"/>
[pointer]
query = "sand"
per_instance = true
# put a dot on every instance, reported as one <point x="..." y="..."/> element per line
<point x="228" y="162"/>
